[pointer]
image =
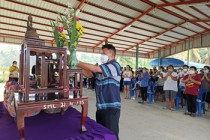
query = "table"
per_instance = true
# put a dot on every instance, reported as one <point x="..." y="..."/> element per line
<point x="53" y="127"/>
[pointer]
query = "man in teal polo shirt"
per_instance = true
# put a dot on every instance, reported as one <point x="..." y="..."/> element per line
<point x="107" y="88"/>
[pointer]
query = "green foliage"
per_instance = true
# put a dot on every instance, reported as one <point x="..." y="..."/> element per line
<point x="55" y="33"/>
<point x="74" y="32"/>
<point x="124" y="60"/>
<point x="4" y="74"/>
<point x="196" y="55"/>
<point x="8" y="54"/>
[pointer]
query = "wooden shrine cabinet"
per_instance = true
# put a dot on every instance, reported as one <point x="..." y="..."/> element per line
<point x="67" y="86"/>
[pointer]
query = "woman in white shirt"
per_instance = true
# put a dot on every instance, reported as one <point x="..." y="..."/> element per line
<point x="127" y="75"/>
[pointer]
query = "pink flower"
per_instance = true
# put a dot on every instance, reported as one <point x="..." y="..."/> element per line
<point x="77" y="18"/>
<point x="60" y="29"/>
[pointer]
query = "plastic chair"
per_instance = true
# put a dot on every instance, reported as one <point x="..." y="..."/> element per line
<point x="179" y="97"/>
<point x="201" y="101"/>
<point x="151" y="92"/>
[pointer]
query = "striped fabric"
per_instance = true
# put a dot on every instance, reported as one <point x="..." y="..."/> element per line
<point x="108" y="86"/>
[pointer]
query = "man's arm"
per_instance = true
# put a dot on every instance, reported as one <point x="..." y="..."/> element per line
<point x="173" y="78"/>
<point x="87" y="73"/>
<point x="207" y="78"/>
<point x="203" y="78"/>
<point x="165" y="76"/>
<point x="185" y="80"/>
<point x="88" y="69"/>
<point x="195" y="81"/>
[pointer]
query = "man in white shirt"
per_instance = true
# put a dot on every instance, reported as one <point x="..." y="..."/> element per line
<point x="170" y="87"/>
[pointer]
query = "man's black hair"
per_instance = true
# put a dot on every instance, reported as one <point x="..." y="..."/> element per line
<point x="193" y="67"/>
<point x="186" y="66"/>
<point x="161" y="67"/>
<point x="109" y="47"/>
<point x="207" y="67"/>
<point x="14" y="62"/>
<point x="170" y="66"/>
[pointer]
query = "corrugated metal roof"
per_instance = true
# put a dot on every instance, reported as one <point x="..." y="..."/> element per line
<point x="103" y="19"/>
<point x="193" y="12"/>
<point x="179" y="12"/>
<point x="166" y="16"/>
<point x="156" y="21"/>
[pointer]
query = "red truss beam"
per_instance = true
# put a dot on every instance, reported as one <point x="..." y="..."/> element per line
<point x="131" y="22"/>
<point x="17" y="36"/>
<point x="115" y="21"/>
<point x="161" y="34"/>
<point x="181" y="10"/>
<point x="190" y="14"/>
<point x="205" y="15"/>
<point x="130" y="17"/>
<point x="80" y="5"/>
<point x="59" y="4"/>
<point x="137" y="10"/>
<point x="154" y="36"/>
<point x="42" y="24"/>
<point x="181" y="3"/>
<point x="200" y="20"/>
<point x="181" y="17"/>
<point x="174" y="14"/>
<point x="169" y="12"/>
<point x="81" y="19"/>
<point x="49" y="41"/>
<point x="182" y="40"/>
<point x="199" y="25"/>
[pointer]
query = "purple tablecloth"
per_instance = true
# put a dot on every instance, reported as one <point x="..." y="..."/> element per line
<point x="53" y="127"/>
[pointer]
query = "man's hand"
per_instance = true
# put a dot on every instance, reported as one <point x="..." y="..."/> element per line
<point x="205" y="75"/>
<point x="190" y="78"/>
<point x="169" y="73"/>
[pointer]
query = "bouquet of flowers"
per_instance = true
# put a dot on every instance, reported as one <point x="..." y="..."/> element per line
<point x="69" y="22"/>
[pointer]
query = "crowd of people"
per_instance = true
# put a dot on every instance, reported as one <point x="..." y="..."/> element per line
<point x="167" y="80"/>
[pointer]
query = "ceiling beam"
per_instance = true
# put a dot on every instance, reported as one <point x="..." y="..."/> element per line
<point x="81" y="19"/>
<point x="161" y="34"/>
<point x="183" y="18"/>
<point x="63" y="5"/>
<point x="123" y="15"/>
<point x="150" y="15"/>
<point x="40" y="35"/>
<point x="47" y="10"/>
<point x="42" y="24"/>
<point x="130" y="23"/>
<point x="195" y="35"/>
<point x="154" y="36"/>
<point x="202" y="13"/>
<point x="38" y="29"/>
<point x="189" y="14"/>
<point x="181" y="3"/>
<point x="49" y="41"/>
<point x="17" y="36"/>
<point x="80" y="5"/>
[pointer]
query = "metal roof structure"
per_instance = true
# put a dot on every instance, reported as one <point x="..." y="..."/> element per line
<point x="154" y="25"/>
